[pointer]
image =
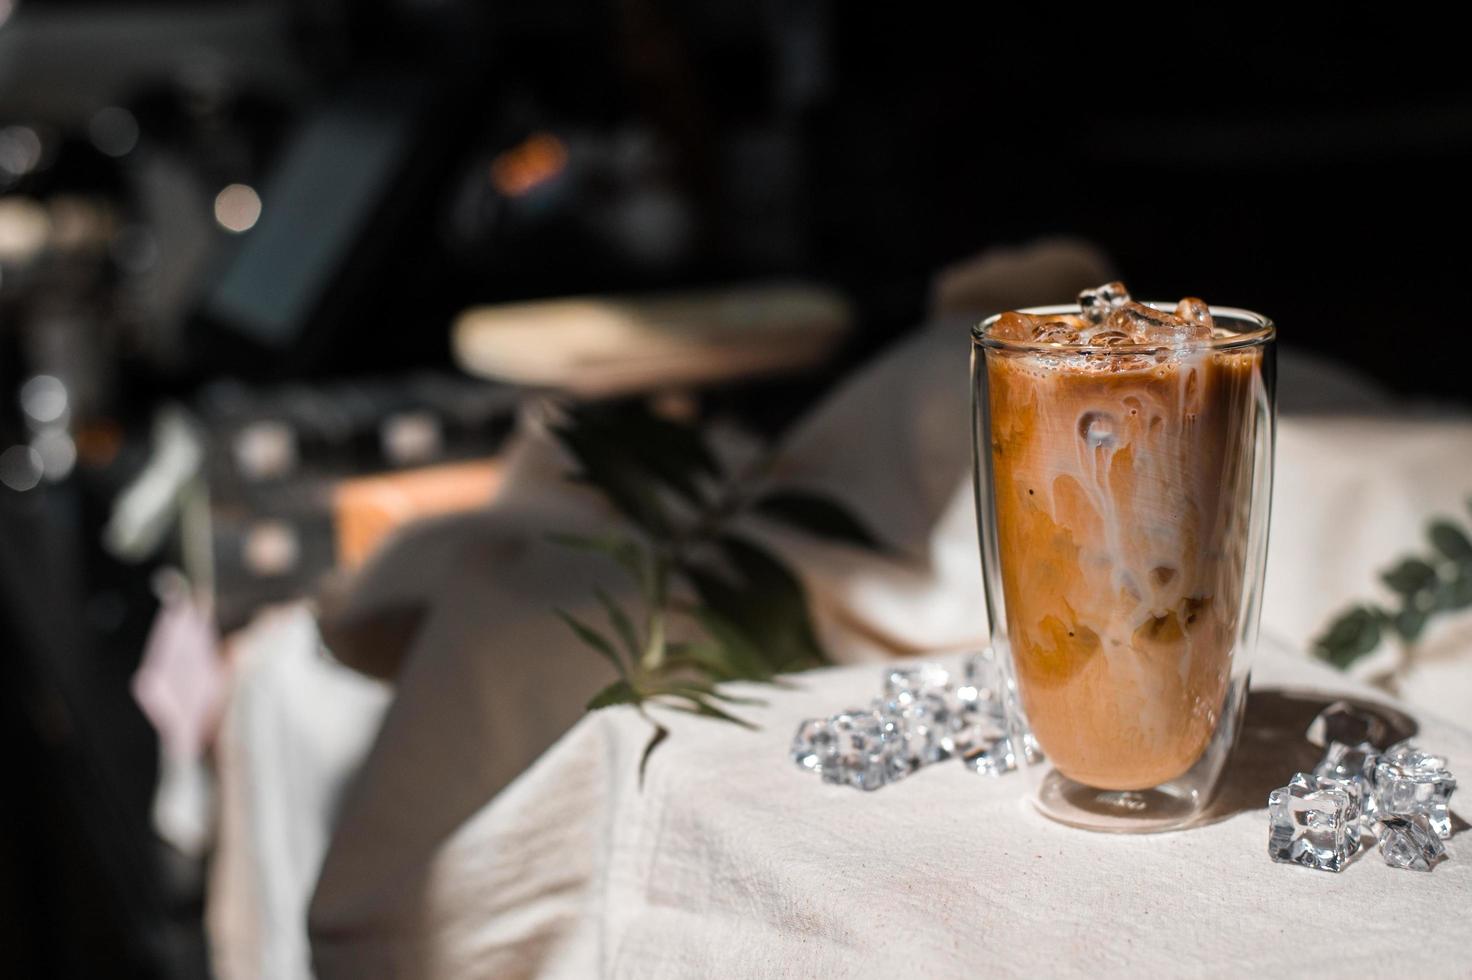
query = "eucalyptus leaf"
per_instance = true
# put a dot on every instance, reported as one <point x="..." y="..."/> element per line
<point x="1410" y="576"/>
<point x="1409" y="623"/>
<point x="1450" y="540"/>
<point x="1455" y="593"/>
<point x="820" y="516"/>
<point x="1352" y="635"/>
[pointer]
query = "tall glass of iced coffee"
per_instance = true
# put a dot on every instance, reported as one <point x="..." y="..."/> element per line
<point x="1124" y="459"/>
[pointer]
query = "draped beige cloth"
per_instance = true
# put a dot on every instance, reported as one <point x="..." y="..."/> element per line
<point x="449" y="857"/>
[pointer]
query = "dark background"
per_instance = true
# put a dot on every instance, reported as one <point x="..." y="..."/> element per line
<point x="1308" y="163"/>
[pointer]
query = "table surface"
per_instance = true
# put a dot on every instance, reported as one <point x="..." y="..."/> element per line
<point x="732" y="862"/>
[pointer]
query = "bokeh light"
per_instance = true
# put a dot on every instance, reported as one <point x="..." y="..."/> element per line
<point x="237" y="208"/>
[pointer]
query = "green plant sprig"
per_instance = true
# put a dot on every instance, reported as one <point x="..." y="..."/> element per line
<point x="1426" y="585"/>
<point x="746" y="610"/>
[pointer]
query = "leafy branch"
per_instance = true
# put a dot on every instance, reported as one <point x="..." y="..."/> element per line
<point x="739" y="611"/>
<point x="1426" y="585"/>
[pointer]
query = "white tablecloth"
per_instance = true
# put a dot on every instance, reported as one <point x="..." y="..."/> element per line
<point x="443" y="862"/>
<point x="733" y="863"/>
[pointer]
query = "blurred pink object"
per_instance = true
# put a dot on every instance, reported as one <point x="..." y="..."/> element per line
<point x="180" y="683"/>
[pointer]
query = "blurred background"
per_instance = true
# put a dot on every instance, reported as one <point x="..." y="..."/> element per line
<point x="256" y="261"/>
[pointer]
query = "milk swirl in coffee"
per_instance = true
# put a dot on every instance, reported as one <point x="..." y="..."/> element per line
<point x="1121" y="453"/>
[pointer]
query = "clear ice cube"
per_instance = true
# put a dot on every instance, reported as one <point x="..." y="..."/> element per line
<point x="1096" y="304"/>
<point x="813" y="746"/>
<point x="1311" y="824"/>
<point x="1410" y="755"/>
<point x="1109" y="338"/>
<point x="1410" y="843"/>
<point x="1056" y="331"/>
<point x="1343" y="722"/>
<point x="1194" y="310"/>
<point x="1409" y="781"/>
<point x="862" y="756"/>
<point x="1013" y="326"/>
<point x="999" y="755"/>
<point x="1154" y="326"/>
<point x="1351" y="768"/>
<point x="978" y="700"/>
<point x="922" y="727"/>
<point x="982" y="681"/>
<point x="907" y="681"/>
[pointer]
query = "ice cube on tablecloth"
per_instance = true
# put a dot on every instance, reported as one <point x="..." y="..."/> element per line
<point x="978" y="701"/>
<point x="1409" y="781"/>
<point x="1408" y="842"/>
<point x="1410" y="755"/>
<point x="906" y="681"/>
<point x="999" y="756"/>
<point x="921" y="728"/>
<point x="864" y="749"/>
<point x="1352" y="769"/>
<point x="1343" y="722"/>
<point x="982" y="681"/>
<point x="813" y="746"/>
<point x="1310" y="823"/>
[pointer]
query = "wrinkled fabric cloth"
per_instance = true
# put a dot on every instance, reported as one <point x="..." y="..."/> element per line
<point x="449" y="857"/>
<point x="731" y="862"/>
<point x="297" y="727"/>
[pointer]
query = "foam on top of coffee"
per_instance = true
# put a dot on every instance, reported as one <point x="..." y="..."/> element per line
<point x="1109" y="318"/>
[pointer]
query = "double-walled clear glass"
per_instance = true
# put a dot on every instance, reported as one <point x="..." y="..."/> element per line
<point x="1122" y="495"/>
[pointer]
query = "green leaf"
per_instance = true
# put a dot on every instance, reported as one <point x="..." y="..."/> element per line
<point x="1456" y="592"/>
<point x="660" y="734"/>
<point x="1352" y="635"/>
<point x="656" y="597"/>
<point x="608" y="467"/>
<point x="1409" y="623"/>
<point x="763" y="608"/>
<point x="676" y="440"/>
<point x="820" y="516"/>
<point x="663" y="451"/>
<point x="720" y="695"/>
<point x="1410" y="576"/>
<point x="621" y="624"/>
<point x="699" y="689"/>
<point x="699" y="706"/>
<point x="619" y="692"/>
<point x="1450" y="540"/>
<point x="593" y="638"/>
<point x="729" y="655"/>
<point x="629" y="554"/>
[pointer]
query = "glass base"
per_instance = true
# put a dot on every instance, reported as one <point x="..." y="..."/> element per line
<point x="1171" y="806"/>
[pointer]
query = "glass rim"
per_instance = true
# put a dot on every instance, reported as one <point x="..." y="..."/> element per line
<point x="1261" y="331"/>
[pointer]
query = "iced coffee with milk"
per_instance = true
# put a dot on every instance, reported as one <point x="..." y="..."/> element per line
<point x="1121" y="441"/>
